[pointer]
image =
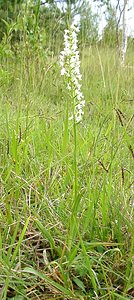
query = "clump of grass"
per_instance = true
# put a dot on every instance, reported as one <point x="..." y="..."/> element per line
<point x="40" y="257"/>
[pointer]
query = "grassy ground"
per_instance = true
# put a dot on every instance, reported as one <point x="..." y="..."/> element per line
<point x="55" y="244"/>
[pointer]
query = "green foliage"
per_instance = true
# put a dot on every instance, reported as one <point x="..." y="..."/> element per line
<point x="31" y="26"/>
<point x="111" y="34"/>
<point x="32" y="23"/>
<point x="131" y="42"/>
<point x="88" y="25"/>
<point x="54" y="242"/>
<point x="51" y="245"/>
<point x="52" y="20"/>
<point x="9" y="9"/>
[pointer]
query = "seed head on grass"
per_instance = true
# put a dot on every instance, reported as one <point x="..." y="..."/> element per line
<point x="70" y="69"/>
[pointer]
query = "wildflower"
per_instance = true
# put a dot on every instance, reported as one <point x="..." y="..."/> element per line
<point x="70" y="68"/>
<point x="63" y="71"/>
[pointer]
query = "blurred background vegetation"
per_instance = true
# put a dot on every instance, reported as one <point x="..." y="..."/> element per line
<point x="39" y="25"/>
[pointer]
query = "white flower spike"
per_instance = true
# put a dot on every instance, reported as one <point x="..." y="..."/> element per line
<point x="70" y="68"/>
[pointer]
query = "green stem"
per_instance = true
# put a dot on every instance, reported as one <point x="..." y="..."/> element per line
<point x="72" y="229"/>
<point x="65" y="138"/>
<point x="75" y="160"/>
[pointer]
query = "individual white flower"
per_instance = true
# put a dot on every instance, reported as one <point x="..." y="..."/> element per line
<point x="68" y="87"/>
<point x="63" y="71"/>
<point x="80" y="96"/>
<point x="79" y="76"/>
<point x="74" y="27"/>
<point x="66" y="31"/>
<point x="78" y="114"/>
<point x="83" y="103"/>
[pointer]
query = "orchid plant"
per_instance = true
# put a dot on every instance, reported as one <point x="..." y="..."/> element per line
<point x="70" y="69"/>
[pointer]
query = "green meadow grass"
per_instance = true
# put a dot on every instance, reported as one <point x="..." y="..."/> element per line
<point x="55" y="244"/>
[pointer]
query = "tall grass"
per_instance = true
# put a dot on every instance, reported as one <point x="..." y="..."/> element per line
<point x="40" y="256"/>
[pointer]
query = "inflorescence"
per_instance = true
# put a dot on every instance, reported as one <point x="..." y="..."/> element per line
<point x="70" y="68"/>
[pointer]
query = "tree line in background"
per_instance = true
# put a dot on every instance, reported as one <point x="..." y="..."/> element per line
<point x="43" y="21"/>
